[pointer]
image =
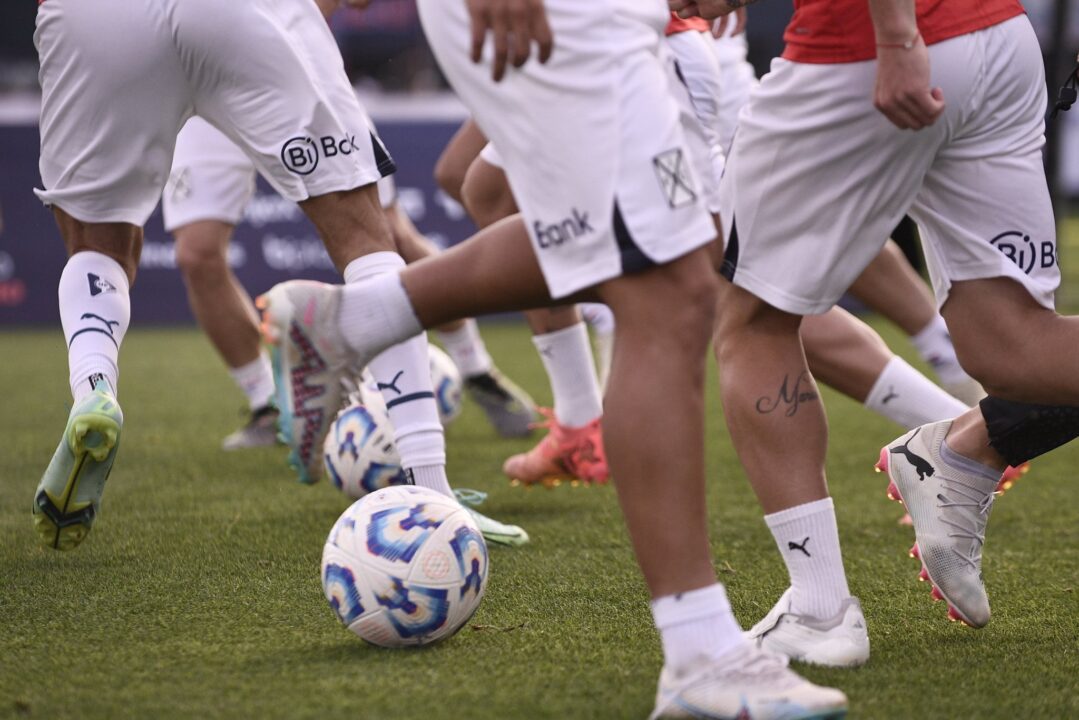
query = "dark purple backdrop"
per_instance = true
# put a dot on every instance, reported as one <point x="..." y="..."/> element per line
<point x="273" y="243"/>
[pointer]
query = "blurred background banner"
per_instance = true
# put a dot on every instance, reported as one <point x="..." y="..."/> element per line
<point x="392" y="68"/>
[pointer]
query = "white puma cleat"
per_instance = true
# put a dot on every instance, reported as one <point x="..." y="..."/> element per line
<point x="838" y="641"/>
<point x="746" y="684"/>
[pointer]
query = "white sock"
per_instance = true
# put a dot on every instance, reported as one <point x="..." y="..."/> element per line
<point x="904" y="395"/>
<point x="467" y="349"/>
<point x="694" y="626"/>
<point x="601" y="319"/>
<point x="95" y="311"/>
<point x="934" y="345"/>
<point x="567" y="357"/>
<point x="808" y="540"/>
<point x="255" y="379"/>
<point x="402" y="370"/>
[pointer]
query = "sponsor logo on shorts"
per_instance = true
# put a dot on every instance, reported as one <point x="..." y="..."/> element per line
<point x="1024" y="252"/>
<point x="672" y="170"/>
<point x="301" y="154"/>
<point x="562" y="231"/>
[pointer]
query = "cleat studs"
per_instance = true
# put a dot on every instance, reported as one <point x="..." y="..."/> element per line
<point x="882" y="461"/>
<point x="893" y="493"/>
<point x="915" y="552"/>
<point x="936" y="594"/>
<point x="923" y="576"/>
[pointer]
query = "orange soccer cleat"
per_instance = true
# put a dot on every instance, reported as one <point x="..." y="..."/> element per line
<point x="573" y="454"/>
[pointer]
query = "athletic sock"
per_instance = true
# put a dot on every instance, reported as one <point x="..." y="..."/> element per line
<point x="808" y="540"/>
<point x="904" y="395"/>
<point x="934" y="345"/>
<point x="256" y="381"/>
<point x="467" y="349"/>
<point x="95" y="311"/>
<point x="402" y="371"/>
<point x="567" y="358"/>
<point x="601" y="319"/>
<point x="694" y="626"/>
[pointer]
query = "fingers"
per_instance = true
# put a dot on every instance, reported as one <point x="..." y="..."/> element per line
<point x="913" y="111"/>
<point x="740" y="16"/>
<point x="720" y="26"/>
<point x="513" y="25"/>
<point x="501" y="41"/>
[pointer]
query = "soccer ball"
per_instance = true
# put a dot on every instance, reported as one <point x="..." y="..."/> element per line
<point x="359" y="452"/>
<point x="404" y="566"/>
<point x="446" y="380"/>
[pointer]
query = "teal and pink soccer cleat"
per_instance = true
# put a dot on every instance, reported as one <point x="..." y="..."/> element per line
<point x="300" y="321"/>
<point x="68" y="498"/>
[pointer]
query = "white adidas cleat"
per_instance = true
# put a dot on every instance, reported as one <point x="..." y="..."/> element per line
<point x="747" y="683"/>
<point x="838" y="641"/>
<point x="300" y="321"/>
<point x="949" y="509"/>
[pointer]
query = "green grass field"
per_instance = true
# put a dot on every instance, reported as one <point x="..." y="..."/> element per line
<point x="198" y="595"/>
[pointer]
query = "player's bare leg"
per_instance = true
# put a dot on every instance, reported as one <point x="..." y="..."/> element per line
<point x="95" y="311"/>
<point x="226" y="314"/>
<point x="849" y="356"/>
<point x="891" y="287"/>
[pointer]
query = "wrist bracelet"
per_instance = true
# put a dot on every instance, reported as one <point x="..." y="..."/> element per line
<point x="908" y="45"/>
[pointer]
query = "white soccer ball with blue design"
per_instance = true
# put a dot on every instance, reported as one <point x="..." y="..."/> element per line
<point x="404" y="566"/>
<point x="447" y="384"/>
<point x="359" y="452"/>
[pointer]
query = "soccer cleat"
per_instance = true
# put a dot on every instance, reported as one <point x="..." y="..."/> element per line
<point x="300" y="321"/>
<point x="747" y="683"/>
<point x="1011" y="474"/>
<point x="68" y="498"/>
<point x="509" y="409"/>
<point x="496" y="532"/>
<point x="839" y="641"/>
<point x="949" y="510"/>
<point x="969" y="391"/>
<point x="574" y="454"/>
<point x="260" y="431"/>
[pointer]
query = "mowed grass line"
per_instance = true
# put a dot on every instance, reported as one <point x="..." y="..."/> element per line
<point x="197" y="594"/>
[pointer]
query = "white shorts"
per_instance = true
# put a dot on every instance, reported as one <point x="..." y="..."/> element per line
<point x="809" y="198"/>
<point x="707" y="157"/>
<point x="212" y="179"/>
<point x="738" y="80"/>
<point x="699" y="72"/>
<point x="119" y="79"/>
<point x="591" y="142"/>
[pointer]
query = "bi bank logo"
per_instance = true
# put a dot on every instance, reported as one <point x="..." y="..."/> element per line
<point x="1024" y="252"/>
<point x="561" y="232"/>
<point x="301" y="154"/>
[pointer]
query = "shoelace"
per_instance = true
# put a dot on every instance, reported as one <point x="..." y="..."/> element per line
<point x="973" y="498"/>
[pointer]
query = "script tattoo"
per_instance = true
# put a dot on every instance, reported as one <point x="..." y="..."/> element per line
<point x="789" y="398"/>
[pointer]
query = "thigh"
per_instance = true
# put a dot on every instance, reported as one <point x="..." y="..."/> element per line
<point x="268" y="74"/>
<point x="593" y="200"/>
<point x="816" y="180"/>
<point x="211" y="179"/>
<point x="113" y="99"/>
<point x="985" y="210"/>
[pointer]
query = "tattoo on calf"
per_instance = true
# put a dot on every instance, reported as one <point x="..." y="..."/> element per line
<point x="789" y="398"/>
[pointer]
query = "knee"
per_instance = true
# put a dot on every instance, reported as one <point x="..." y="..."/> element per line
<point x="692" y="314"/>
<point x="741" y="316"/>
<point x="486" y="194"/>
<point x="450" y="177"/>
<point x="198" y="256"/>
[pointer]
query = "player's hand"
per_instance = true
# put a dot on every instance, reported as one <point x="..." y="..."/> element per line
<point x="903" y="92"/>
<point x="707" y="9"/>
<point x="719" y="29"/>
<point x="514" y="25"/>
